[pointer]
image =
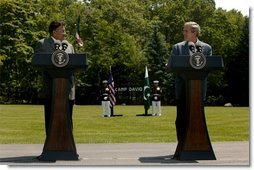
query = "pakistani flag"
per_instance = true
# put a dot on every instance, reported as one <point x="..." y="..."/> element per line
<point x="146" y="92"/>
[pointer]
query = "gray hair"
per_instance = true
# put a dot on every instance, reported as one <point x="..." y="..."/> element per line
<point x="195" y="28"/>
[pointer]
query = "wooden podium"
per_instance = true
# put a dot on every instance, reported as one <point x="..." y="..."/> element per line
<point x="59" y="143"/>
<point x="195" y="143"/>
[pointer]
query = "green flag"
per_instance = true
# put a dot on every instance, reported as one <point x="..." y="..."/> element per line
<point x="146" y="91"/>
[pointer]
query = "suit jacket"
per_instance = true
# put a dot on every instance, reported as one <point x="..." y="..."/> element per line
<point x="182" y="48"/>
<point x="46" y="45"/>
<point x="156" y="93"/>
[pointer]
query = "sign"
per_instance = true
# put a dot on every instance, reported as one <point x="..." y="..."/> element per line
<point x="129" y="89"/>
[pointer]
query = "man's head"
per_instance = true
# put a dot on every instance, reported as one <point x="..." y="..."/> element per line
<point x="191" y="31"/>
<point x="156" y="82"/>
<point x="57" y="30"/>
<point x="105" y="83"/>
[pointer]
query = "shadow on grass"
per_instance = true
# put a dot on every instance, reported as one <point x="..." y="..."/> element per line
<point x="163" y="159"/>
<point x="22" y="159"/>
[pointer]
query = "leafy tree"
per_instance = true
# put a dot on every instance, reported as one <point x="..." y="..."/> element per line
<point x="17" y="74"/>
<point x="158" y="54"/>
<point x="124" y="34"/>
<point x="113" y="37"/>
<point x="225" y="32"/>
<point x="237" y="74"/>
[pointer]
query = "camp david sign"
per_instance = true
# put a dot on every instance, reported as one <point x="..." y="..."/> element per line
<point x="129" y="89"/>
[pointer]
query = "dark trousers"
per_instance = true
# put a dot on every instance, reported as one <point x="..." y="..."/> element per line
<point x="47" y="113"/>
<point x="181" y="125"/>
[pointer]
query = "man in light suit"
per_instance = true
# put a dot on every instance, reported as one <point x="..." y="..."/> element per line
<point x="49" y="45"/>
<point x="190" y="45"/>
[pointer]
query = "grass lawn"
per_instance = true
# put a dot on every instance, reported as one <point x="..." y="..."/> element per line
<point x="25" y="124"/>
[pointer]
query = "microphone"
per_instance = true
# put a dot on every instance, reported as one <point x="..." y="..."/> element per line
<point x="57" y="44"/>
<point x="199" y="47"/>
<point x="192" y="47"/>
<point x="64" y="45"/>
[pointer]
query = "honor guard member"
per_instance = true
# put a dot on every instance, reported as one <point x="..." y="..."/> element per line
<point x="156" y="98"/>
<point x="105" y="99"/>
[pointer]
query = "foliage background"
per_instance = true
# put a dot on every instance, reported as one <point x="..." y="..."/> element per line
<point x="127" y="35"/>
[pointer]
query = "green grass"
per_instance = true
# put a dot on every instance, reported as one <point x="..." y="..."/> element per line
<point x="25" y="124"/>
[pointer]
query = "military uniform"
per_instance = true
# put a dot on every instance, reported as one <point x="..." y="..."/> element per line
<point x="105" y="103"/>
<point x="156" y="99"/>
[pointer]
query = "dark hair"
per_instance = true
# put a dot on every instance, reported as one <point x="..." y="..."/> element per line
<point x="54" y="25"/>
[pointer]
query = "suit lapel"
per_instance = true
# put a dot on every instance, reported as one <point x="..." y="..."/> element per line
<point x="185" y="49"/>
<point x="49" y="45"/>
<point x="51" y="42"/>
<point x="204" y="48"/>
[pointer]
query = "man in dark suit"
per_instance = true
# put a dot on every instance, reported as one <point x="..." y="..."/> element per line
<point x="190" y="45"/>
<point x="49" y="45"/>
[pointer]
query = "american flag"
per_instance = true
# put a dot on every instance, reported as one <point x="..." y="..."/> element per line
<point x="78" y="39"/>
<point x="111" y="86"/>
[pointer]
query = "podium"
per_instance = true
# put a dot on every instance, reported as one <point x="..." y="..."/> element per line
<point x="195" y="143"/>
<point x="59" y="143"/>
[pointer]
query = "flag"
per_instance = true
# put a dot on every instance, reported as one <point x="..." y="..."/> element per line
<point x="78" y="39"/>
<point x="146" y="91"/>
<point x="111" y="86"/>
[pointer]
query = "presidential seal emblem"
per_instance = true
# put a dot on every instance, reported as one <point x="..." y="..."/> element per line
<point x="197" y="60"/>
<point x="60" y="58"/>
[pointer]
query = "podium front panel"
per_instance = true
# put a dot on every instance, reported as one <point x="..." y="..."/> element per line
<point x="76" y="61"/>
<point x="181" y="63"/>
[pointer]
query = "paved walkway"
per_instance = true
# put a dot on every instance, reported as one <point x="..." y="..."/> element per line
<point x="227" y="153"/>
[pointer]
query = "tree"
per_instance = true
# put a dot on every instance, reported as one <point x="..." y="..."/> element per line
<point x="17" y="75"/>
<point x="225" y="33"/>
<point x="113" y="33"/>
<point x="237" y="74"/>
<point x="157" y="54"/>
<point x="124" y="34"/>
